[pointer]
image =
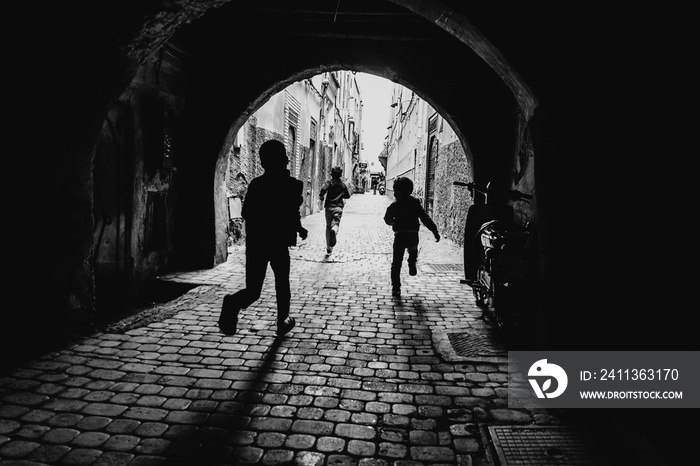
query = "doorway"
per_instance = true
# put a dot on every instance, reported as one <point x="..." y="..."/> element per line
<point x="431" y="164"/>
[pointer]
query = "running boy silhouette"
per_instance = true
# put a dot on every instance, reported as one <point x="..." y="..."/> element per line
<point x="335" y="192"/>
<point x="403" y="215"/>
<point x="272" y="221"/>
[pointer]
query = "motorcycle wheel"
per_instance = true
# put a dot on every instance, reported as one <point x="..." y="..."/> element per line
<point x="497" y="303"/>
<point x="478" y="297"/>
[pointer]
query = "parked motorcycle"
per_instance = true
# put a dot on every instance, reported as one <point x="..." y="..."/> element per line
<point x="496" y="258"/>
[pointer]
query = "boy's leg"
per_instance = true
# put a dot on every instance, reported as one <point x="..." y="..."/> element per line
<point x="255" y="268"/>
<point x="337" y="213"/>
<point x="412" y="258"/>
<point x="397" y="259"/>
<point x="329" y="221"/>
<point x="280" y="264"/>
<point x="412" y="247"/>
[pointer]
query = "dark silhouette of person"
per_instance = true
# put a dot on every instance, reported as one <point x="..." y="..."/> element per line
<point x="403" y="215"/>
<point x="272" y="221"/>
<point x="335" y="192"/>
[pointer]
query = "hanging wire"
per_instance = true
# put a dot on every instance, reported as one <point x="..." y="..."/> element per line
<point x="336" y="11"/>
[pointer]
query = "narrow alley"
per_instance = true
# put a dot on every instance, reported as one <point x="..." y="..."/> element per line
<point x="363" y="379"/>
<point x="140" y="125"/>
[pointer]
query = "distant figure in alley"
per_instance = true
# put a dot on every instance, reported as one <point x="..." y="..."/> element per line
<point x="272" y="221"/>
<point x="335" y="192"/>
<point x="403" y="215"/>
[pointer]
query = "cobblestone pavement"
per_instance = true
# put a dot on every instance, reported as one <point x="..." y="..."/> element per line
<point x="363" y="379"/>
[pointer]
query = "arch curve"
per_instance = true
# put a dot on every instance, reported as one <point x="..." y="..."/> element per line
<point x="462" y="29"/>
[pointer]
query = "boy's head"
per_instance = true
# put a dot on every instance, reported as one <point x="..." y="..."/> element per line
<point x="273" y="155"/>
<point x="336" y="173"/>
<point x="403" y="187"/>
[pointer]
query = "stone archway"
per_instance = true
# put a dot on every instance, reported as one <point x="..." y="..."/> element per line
<point x="130" y="47"/>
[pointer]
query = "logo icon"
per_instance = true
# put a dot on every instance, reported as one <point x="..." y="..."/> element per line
<point x="543" y="370"/>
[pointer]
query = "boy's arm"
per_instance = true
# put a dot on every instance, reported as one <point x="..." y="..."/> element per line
<point x="303" y="232"/>
<point x="324" y="188"/>
<point x="299" y="190"/>
<point x="346" y="194"/>
<point x="249" y="201"/>
<point x="427" y="221"/>
<point x="389" y="215"/>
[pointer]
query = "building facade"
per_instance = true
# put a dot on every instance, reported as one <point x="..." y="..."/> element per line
<point x="422" y="146"/>
<point x="319" y="121"/>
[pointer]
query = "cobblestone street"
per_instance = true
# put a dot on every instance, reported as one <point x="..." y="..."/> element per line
<point x="363" y="379"/>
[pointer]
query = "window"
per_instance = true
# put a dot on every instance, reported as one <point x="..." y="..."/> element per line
<point x="292" y="150"/>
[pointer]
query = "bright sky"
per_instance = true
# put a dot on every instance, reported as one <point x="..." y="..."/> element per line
<point x="376" y="110"/>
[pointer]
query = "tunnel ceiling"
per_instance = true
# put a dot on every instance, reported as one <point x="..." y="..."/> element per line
<point x="409" y="41"/>
<point x="352" y="20"/>
<point x="365" y="33"/>
<point x="359" y="34"/>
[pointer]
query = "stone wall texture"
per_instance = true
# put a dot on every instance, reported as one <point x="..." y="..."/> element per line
<point x="451" y="202"/>
<point x="244" y="165"/>
<point x="523" y="174"/>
